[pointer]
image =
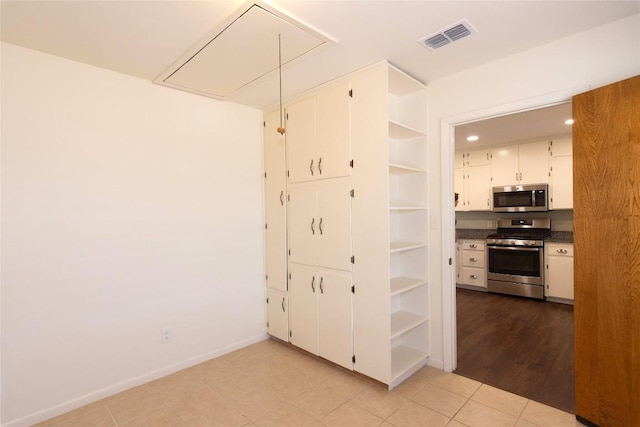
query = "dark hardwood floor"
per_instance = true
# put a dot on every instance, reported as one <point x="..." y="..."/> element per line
<point x="520" y="345"/>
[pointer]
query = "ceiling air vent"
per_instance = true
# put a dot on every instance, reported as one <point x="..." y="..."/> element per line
<point x="442" y="38"/>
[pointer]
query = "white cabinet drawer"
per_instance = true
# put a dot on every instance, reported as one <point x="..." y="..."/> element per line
<point x="473" y="276"/>
<point x="559" y="249"/>
<point x="473" y="258"/>
<point x="474" y="245"/>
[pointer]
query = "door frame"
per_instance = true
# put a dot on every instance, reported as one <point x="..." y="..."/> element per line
<point x="447" y="156"/>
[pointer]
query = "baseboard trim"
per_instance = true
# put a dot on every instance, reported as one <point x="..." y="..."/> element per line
<point x="586" y="422"/>
<point x="94" y="396"/>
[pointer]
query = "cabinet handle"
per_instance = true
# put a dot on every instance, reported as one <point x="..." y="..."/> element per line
<point x="473" y="245"/>
<point x="283" y="304"/>
<point x="281" y="197"/>
<point x="320" y="226"/>
<point x="321" y="289"/>
<point x="473" y="259"/>
<point x="311" y="167"/>
<point x="313" y="229"/>
<point x="561" y="251"/>
<point x="320" y="165"/>
<point x="313" y="284"/>
<point x="474" y="276"/>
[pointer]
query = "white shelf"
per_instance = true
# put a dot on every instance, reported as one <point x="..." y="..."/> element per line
<point x="405" y="359"/>
<point x="395" y="168"/>
<point x="405" y="246"/>
<point x="403" y="284"/>
<point x="406" y="207"/>
<point x="399" y="131"/>
<point x="403" y="321"/>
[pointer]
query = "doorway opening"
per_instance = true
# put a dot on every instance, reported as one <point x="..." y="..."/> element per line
<point x="515" y="344"/>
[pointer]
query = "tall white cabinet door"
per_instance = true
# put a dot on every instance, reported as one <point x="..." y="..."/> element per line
<point x="303" y="316"/>
<point x="278" y="314"/>
<point x="534" y="162"/>
<point x="478" y="188"/>
<point x="333" y="132"/>
<point x="301" y="140"/>
<point x="335" y="327"/>
<point x="303" y="224"/>
<point x="334" y="224"/>
<point x="459" y="188"/>
<point x="275" y="181"/>
<point x="504" y="165"/>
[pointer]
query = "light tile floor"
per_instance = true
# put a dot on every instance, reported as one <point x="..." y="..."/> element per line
<point x="273" y="384"/>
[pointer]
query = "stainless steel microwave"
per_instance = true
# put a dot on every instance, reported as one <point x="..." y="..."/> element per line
<point x="521" y="198"/>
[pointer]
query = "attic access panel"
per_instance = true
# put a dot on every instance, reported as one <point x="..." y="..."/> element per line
<point x="242" y="50"/>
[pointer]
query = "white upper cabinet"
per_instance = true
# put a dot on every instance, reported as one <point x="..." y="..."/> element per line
<point x="275" y="194"/>
<point x="561" y="175"/>
<point x="521" y="164"/>
<point x="318" y="136"/>
<point x="473" y="181"/>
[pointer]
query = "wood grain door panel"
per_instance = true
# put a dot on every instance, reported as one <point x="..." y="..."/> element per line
<point x="606" y="149"/>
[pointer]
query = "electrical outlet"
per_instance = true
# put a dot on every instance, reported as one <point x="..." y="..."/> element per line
<point x="165" y="335"/>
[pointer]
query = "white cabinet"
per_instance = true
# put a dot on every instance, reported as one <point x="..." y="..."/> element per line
<point x="318" y="134"/>
<point x="278" y="314"/>
<point x="521" y="164"/>
<point x="473" y="181"/>
<point x="320" y="223"/>
<point x="390" y="226"/>
<point x="275" y="182"/>
<point x="321" y="313"/>
<point x="561" y="175"/>
<point x="472" y="263"/>
<point x="559" y="277"/>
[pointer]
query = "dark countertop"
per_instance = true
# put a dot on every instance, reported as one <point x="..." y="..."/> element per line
<point x="481" y="234"/>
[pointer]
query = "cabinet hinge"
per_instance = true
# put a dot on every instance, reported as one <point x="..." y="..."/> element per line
<point x="289" y="255"/>
<point x="290" y="334"/>
<point x="287" y="116"/>
<point x="266" y="276"/>
<point x="353" y="259"/>
<point x="267" y="324"/>
<point x="352" y="193"/>
<point x="265" y="226"/>
<point x="450" y="261"/>
<point x="265" y="175"/>
<point x="264" y="124"/>
<point x="287" y="173"/>
<point x="267" y="300"/>
<point x="351" y="93"/>
<point x="353" y="289"/>
<point x="288" y="197"/>
<point x="351" y="164"/>
<point x="353" y="358"/>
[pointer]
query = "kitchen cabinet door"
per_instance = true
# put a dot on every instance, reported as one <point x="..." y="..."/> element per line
<point x="504" y="165"/>
<point x="459" y="188"/>
<point x="561" y="183"/>
<point x="301" y="140"/>
<point x="278" y="314"/>
<point x="303" y="320"/>
<point x="335" y="327"/>
<point x="477" y="188"/>
<point x="533" y="162"/>
<point x="559" y="278"/>
<point x="334" y="224"/>
<point x="275" y="181"/>
<point x="333" y="132"/>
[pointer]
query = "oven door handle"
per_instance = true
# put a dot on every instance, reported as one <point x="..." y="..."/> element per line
<point x="516" y="248"/>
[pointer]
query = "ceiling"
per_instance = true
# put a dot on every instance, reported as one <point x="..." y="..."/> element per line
<point x="161" y="41"/>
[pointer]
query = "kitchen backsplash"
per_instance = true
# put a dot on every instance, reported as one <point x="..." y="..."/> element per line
<point x="561" y="220"/>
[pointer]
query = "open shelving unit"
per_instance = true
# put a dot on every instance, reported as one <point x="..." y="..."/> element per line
<point x="408" y="226"/>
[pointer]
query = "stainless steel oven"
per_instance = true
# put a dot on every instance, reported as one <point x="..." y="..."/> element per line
<point x="515" y="257"/>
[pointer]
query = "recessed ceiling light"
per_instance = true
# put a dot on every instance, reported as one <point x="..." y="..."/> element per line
<point x="568" y="122"/>
<point x="472" y="138"/>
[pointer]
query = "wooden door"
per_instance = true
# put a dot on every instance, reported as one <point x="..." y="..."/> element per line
<point x="606" y="155"/>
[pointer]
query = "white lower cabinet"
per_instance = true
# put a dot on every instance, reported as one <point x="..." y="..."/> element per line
<point x="472" y="263"/>
<point x="321" y="313"/>
<point x="278" y="314"/>
<point x="559" y="277"/>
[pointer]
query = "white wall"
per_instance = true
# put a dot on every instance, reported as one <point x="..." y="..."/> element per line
<point x="591" y="59"/>
<point x="126" y="207"/>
